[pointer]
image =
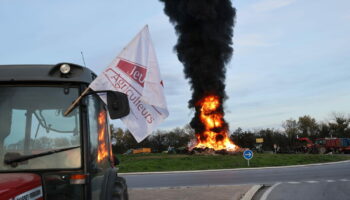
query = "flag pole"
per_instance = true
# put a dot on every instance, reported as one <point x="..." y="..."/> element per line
<point x="70" y="108"/>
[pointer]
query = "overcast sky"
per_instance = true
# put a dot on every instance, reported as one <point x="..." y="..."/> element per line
<point x="291" y="57"/>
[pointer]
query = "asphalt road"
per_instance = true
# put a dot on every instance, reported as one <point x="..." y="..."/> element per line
<point x="335" y="189"/>
<point x="302" y="174"/>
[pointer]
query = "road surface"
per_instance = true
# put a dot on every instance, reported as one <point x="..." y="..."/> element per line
<point x="322" y="182"/>
<point x="321" y="190"/>
<point x="238" y="177"/>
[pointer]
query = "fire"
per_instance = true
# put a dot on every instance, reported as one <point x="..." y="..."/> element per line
<point x="214" y="135"/>
<point x="102" y="148"/>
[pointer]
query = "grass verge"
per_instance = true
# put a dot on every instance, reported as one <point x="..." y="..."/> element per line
<point x="180" y="162"/>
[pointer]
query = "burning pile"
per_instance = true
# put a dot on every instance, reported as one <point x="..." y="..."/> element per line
<point x="205" y="29"/>
<point x="215" y="129"/>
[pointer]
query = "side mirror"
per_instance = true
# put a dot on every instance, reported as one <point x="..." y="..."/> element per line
<point x="117" y="104"/>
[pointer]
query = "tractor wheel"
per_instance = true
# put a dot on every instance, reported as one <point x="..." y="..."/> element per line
<point x="120" y="190"/>
<point x="322" y="150"/>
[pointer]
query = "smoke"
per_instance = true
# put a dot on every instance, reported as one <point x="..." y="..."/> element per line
<point x="204" y="29"/>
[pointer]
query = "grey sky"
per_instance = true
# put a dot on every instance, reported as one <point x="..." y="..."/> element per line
<point x="290" y="56"/>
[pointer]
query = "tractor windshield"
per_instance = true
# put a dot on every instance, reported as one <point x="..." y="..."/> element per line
<point x="32" y="122"/>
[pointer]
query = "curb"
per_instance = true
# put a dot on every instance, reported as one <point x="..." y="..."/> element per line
<point x="251" y="192"/>
<point x="237" y="169"/>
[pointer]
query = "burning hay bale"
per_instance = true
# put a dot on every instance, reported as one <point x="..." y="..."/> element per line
<point x="211" y="151"/>
<point x="203" y="151"/>
<point x="193" y="149"/>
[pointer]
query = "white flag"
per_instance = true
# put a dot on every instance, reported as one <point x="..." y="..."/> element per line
<point x="135" y="73"/>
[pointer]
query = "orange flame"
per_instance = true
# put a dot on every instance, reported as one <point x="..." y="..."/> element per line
<point x="211" y="120"/>
<point x="102" y="148"/>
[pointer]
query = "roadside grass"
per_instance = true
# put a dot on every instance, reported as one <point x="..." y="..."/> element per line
<point x="181" y="162"/>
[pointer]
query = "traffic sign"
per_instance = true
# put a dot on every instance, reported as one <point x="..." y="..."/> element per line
<point x="259" y="140"/>
<point x="248" y="154"/>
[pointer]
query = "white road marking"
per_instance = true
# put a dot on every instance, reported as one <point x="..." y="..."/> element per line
<point x="268" y="191"/>
<point x="344" y="179"/>
<point x="330" y="181"/>
<point x="312" y="181"/>
<point x="293" y="182"/>
<point x="251" y="192"/>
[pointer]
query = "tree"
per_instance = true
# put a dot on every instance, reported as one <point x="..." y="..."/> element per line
<point x="189" y="131"/>
<point x="129" y="140"/>
<point x="118" y="134"/>
<point x="308" y="127"/>
<point x="339" y="126"/>
<point x="157" y="141"/>
<point x="291" y="130"/>
<point x="272" y="137"/>
<point x="324" y="130"/>
<point x="244" y="139"/>
<point x="269" y="141"/>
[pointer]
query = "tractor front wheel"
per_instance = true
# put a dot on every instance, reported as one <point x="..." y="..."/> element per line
<point x="322" y="150"/>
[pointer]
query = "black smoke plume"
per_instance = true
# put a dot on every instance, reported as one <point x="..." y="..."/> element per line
<point x="205" y="30"/>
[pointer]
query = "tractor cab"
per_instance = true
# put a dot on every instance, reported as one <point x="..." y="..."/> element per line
<point x="45" y="154"/>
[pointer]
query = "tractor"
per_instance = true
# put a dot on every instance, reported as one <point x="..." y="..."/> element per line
<point x="48" y="154"/>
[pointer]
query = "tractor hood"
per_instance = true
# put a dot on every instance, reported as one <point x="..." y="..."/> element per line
<point x="20" y="186"/>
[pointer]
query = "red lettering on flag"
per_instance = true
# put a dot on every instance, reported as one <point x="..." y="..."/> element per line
<point x="136" y="72"/>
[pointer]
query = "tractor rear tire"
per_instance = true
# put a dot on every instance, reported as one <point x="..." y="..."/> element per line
<point x="120" y="190"/>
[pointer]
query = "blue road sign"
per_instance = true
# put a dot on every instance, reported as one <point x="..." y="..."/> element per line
<point x="248" y="154"/>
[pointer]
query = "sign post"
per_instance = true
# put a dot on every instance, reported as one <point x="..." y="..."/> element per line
<point x="248" y="154"/>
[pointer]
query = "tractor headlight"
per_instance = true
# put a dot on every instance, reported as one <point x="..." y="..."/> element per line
<point x="65" y="68"/>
